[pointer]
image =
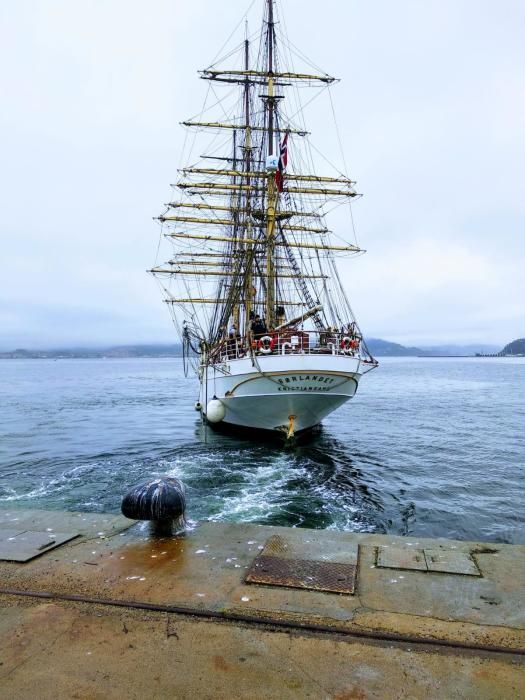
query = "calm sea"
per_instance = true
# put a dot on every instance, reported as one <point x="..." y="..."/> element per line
<point x="431" y="447"/>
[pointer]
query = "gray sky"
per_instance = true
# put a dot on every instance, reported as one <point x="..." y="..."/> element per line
<point x="431" y="111"/>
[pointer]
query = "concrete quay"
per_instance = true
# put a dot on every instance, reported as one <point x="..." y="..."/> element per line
<point x="95" y="607"/>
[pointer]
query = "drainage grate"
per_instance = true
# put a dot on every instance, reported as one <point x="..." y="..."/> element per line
<point x="306" y="564"/>
<point x="302" y="573"/>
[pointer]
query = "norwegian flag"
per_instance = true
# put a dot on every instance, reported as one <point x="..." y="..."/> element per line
<point x="283" y="160"/>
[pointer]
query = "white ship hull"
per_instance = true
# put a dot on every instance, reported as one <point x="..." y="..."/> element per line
<point x="288" y="393"/>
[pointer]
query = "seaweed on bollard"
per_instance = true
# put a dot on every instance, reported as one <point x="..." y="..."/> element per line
<point x="161" y="501"/>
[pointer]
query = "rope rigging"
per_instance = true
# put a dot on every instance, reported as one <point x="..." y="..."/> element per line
<point x="244" y="243"/>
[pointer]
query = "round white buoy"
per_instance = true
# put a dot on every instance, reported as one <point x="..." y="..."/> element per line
<point x="215" y="411"/>
<point x="198" y="406"/>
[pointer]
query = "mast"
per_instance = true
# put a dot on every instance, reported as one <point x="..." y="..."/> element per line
<point x="236" y="202"/>
<point x="248" y="282"/>
<point x="271" y="187"/>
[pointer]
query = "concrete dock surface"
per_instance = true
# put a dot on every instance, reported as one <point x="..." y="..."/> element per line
<point x="92" y="606"/>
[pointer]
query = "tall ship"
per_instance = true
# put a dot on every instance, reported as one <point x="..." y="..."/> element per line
<point x="252" y="281"/>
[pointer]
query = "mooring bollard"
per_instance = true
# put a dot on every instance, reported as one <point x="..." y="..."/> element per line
<point x="162" y="501"/>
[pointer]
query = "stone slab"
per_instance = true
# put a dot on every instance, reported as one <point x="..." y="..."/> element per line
<point x="438" y="559"/>
<point x="89" y="525"/>
<point x="451" y="561"/>
<point x="401" y="558"/>
<point x="28" y="544"/>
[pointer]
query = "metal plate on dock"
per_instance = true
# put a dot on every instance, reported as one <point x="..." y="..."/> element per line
<point x="307" y="565"/>
<point x="445" y="561"/>
<point x="21" y="546"/>
<point x="451" y="561"/>
<point x="401" y="558"/>
<point x="301" y="573"/>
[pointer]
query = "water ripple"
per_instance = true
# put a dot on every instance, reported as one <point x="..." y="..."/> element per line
<point x="430" y="448"/>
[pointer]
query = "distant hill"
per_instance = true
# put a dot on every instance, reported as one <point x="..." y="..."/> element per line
<point x="472" y="349"/>
<point x="384" y="348"/>
<point x="517" y="347"/>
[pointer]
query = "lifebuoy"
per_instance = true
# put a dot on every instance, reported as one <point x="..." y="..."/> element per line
<point x="354" y="344"/>
<point x="346" y="343"/>
<point x="266" y="344"/>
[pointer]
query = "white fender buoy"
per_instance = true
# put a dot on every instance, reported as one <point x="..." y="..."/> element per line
<point x="215" y="411"/>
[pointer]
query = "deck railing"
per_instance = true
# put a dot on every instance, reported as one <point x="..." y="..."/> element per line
<point x="292" y="343"/>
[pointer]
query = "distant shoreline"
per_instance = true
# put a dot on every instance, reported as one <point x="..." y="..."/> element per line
<point x="478" y="356"/>
<point x="117" y="352"/>
<point x="6" y="356"/>
<point x="107" y="356"/>
<point x="429" y="357"/>
<point x="377" y="346"/>
<point x="54" y="358"/>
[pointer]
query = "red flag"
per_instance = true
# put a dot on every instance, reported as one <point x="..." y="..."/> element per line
<point x="283" y="161"/>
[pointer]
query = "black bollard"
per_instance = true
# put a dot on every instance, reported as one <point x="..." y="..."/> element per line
<point x="162" y="501"/>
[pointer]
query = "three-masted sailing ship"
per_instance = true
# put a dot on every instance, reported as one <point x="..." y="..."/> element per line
<point x="252" y="281"/>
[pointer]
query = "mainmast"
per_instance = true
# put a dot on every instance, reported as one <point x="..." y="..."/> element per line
<point x="271" y="282"/>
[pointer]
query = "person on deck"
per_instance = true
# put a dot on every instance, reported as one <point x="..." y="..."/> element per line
<point x="258" y="326"/>
<point x="233" y="337"/>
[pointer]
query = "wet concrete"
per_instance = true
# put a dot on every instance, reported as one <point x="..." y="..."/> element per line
<point x="67" y="620"/>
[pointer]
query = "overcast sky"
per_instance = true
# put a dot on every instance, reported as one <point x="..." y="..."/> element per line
<point x="431" y="109"/>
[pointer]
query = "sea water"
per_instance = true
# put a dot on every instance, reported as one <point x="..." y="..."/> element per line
<point x="428" y="447"/>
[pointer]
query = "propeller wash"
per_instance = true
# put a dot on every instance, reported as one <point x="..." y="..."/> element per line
<point x="252" y="282"/>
